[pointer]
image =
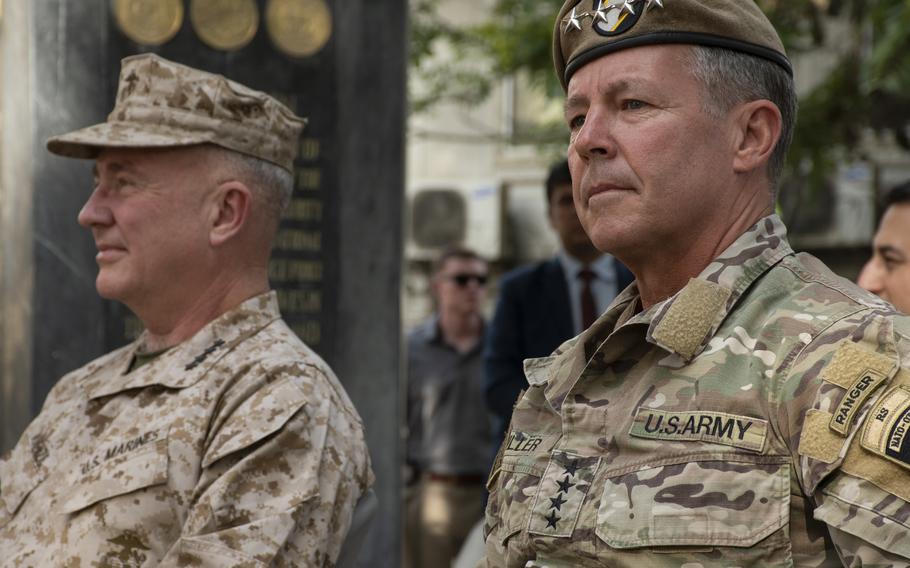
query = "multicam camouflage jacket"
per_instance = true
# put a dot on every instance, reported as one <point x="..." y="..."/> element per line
<point x="238" y="447"/>
<point x="756" y="418"/>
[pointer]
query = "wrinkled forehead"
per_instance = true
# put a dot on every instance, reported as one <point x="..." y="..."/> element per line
<point x="153" y="163"/>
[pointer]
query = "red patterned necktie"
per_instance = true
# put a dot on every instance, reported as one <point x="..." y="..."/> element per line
<point x="588" y="307"/>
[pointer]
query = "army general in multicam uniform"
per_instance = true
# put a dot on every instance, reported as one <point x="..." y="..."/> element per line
<point x="740" y="405"/>
<point x="218" y="438"/>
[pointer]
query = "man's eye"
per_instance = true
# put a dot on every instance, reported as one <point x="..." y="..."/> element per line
<point x="633" y="104"/>
<point x="576" y="122"/>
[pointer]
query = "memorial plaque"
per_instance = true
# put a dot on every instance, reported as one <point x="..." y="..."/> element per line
<point x="225" y="24"/>
<point x="149" y="22"/>
<point x="299" y="27"/>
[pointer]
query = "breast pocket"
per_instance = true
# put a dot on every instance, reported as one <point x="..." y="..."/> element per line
<point x="118" y="475"/>
<point x="20" y="474"/>
<point x="731" y="502"/>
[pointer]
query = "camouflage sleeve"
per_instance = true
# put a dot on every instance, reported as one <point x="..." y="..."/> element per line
<point x="280" y="479"/>
<point x="842" y="409"/>
<point x="859" y="514"/>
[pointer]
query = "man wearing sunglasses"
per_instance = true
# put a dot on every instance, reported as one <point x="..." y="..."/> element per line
<point x="449" y="443"/>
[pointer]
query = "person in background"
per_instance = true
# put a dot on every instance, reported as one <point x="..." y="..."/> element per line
<point x="448" y="446"/>
<point x="887" y="273"/>
<point x="217" y="438"/>
<point x="544" y="304"/>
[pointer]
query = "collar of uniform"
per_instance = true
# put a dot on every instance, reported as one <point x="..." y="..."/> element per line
<point x="686" y="322"/>
<point x="185" y="364"/>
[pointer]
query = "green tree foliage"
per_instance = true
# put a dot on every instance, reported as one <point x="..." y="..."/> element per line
<point x="869" y="87"/>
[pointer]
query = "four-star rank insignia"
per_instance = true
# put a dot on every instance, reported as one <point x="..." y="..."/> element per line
<point x="609" y="17"/>
<point x="561" y="493"/>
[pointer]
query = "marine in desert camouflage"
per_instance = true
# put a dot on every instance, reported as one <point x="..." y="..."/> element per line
<point x="217" y="438"/>
<point x="749" y="409"/>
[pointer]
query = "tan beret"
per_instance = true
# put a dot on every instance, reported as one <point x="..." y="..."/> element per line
<point x="162" y="104"/>
<point x="589" y="29"/>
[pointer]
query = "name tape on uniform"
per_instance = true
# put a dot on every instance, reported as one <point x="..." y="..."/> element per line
<point x="717" y="427"/>
<point x="888" y="425"/>
<point x="518" y="442"/>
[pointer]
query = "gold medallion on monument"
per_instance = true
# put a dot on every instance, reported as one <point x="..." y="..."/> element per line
<point x="149" y="22"/>
<point x="299" y="28"/>
<point x="225" y="24"/>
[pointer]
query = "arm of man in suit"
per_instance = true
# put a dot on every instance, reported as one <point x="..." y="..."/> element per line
<point x="503" y="355"/>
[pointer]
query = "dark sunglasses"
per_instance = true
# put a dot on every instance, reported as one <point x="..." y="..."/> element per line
<point x="465" y="279"/>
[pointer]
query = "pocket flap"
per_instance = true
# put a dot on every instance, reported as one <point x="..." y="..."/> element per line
<point x="127" y="473"/>
<point x="699" y="503"/>
<point x="262" y="414"/>
<point x="19" y="476"/>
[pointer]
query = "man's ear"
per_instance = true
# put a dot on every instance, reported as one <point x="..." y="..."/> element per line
<point x="758" y="126"/>
<point x="230" y="211"/>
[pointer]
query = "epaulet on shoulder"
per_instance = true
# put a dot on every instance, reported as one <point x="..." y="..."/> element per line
<point x="901" y="323"/>
<point x="813" y="271"/>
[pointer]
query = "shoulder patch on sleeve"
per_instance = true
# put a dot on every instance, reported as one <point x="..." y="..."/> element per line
<point x="851" y="360"/>
<point x="817" y="441"/>
<point x="859" y="372"/>
<point x="865" y="460"/>
<point x="887" y="426"/>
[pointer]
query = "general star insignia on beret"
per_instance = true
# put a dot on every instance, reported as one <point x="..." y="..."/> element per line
<point x="601" y="12"/>
<point x="573" y="20"/>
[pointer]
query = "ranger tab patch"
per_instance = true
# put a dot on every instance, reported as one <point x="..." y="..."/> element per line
<point x="716" y="427"/>
<point x="864" y="385"/>
<point x="888" y="425"/>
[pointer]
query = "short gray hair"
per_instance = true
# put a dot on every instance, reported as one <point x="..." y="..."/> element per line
<point x="271" y="184"/>
<point x="731" y="77"/>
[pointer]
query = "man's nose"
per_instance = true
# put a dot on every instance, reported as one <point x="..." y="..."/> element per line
<point x="95" y="211"/>
<point x="870" y="277"/>
<point x="595" y="138"/>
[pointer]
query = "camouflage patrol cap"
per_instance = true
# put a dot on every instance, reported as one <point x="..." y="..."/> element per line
<point x="588" y="29"/>
<point x="162" y="104"/>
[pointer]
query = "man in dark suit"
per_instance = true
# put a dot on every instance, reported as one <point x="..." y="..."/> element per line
<point x="544" y="304"/>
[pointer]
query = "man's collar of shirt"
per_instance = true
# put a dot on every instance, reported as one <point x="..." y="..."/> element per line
<point x="702" y="305"/>
<point x="184" y="364"/>
<point x="603" y="267"/>
<point x="686" y="322"/>
<point x="430" y="333"/>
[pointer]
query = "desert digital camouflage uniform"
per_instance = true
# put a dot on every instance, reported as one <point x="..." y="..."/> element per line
<point x="238" y="447"/>
<point x="756" y="418"/>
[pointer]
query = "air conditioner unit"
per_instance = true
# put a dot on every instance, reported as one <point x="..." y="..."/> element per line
<point x="468" y="215"/>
